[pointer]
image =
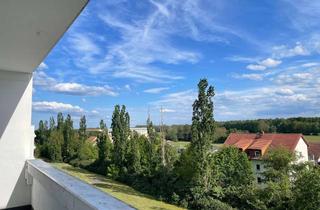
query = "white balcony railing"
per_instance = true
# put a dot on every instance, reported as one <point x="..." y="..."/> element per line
<point x="53" y="189"/>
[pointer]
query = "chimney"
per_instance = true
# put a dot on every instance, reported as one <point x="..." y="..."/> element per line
<point x="259" y="134"/>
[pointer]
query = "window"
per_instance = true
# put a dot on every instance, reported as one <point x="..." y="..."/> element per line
<point x="257" y="153"/>
<point x="259" y="180"/>
<point x="258" y="167"/>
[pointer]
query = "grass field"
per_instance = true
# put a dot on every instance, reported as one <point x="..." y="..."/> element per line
<point x="184" y="144"/>
<point x="313" y="139"/>
<point x="118" y="190"/>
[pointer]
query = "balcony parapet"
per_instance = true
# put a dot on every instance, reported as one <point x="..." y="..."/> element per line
<point x="53" y="189"/>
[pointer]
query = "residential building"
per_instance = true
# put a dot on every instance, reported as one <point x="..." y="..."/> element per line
<point x="29" y="29"/>
<point x="314" y="152"/>
<point x="257" y="145"/>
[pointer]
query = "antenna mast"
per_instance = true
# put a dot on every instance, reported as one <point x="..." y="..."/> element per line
<point x="162" y="138"/>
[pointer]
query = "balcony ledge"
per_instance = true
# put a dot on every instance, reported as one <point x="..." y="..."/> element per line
<point x="54" y="188"/>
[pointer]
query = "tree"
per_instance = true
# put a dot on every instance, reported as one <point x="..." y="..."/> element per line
<point x="277" y="193"/>
<point x="69" y="145"/>
<point x="202" y="130"/>
<point x="233" y="167"/>
<point x="41" y="133"/>
<point x="234" y="175"/>
<point x="52" y="124"/>
<point x="60" y="121"/>
<point x="306" y="190"/>
<point x="104" y="144"/>
<point x="120" y="135"/>
<point x="82" y="128"/>
<point x="55" y="145"/>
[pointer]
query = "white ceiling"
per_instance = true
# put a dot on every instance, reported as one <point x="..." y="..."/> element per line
<point x="30" y="28"/>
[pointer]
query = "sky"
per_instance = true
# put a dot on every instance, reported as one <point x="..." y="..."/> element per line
<point x="262" y="57"/>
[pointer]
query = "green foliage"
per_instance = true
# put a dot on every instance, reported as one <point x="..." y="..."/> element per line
<point x="82" y="128"/>
<point x="202" y="130"/>
<point x="306" y="190"/>
<point x="88" y="151"/>
<point x="55" y="145"/>
<point x="277" y="163"/>
<point x="232" y="167"/>
<point x="120" y="134"/>
<point x="198" y="178"/>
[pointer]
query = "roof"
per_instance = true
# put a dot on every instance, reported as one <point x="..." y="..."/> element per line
<point x="263" y="141"/>
<point x="92" y="139"/>
<point x="314" y="150"/>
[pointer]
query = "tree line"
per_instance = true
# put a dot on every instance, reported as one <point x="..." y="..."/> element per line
<point x="198" y="178"/>
<point x="304" y="125"/>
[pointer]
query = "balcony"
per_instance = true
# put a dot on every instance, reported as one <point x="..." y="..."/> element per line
<point x="29" y="29"/>
<point x="53" y="189"/>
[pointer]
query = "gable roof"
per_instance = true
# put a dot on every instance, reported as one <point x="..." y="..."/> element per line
<point x="263" y="141"/>
<point x="92" y="139"/>
<point x="314" y="150"/>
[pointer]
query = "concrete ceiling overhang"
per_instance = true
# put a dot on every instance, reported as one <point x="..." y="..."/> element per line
<point x="30" y="28"/>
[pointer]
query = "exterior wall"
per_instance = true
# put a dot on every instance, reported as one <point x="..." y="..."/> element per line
<point x="140" y="131"/>
<point x="302" y="151"/>
<point x="16" y="137"/>
<point x="257" y="173"/>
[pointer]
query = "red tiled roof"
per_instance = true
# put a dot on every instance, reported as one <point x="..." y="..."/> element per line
<point x="314" y="150"/>
<point x="92" y="139"/>
<point x="264" y="141"/>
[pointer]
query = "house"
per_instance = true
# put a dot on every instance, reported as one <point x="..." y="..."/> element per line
<point x="314" y="152"/>
<point x="143" y="131"/>
<point x="257" y="145"/>
<point x="92" y="140"/>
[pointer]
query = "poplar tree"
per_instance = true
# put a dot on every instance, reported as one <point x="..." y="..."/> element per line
<point x="104" y="144"/>
<point x="120" y="135"/>
<point x="68" y="138"/>
<point x="82" y="128"/>
<point x="52" y="124"/>
<point x="59" y="121"/>
<point x="202" y="131"/>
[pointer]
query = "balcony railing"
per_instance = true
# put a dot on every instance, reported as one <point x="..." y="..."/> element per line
<point x="52" y="189"/>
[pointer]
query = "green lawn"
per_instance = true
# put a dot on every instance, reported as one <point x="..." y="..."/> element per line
<point x="118" y="190"/>
<point x="313" y="139"/>
<point x="184" y="144"/>
<point x="179" y="144"/>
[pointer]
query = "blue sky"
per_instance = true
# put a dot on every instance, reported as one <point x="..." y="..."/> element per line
<point x="261" y="56"/>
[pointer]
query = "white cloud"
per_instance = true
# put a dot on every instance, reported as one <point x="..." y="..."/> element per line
<point x="81" y="89"/>
<point x="284" y="51"/>
<point x="256" y="77"/>
<point x="156" y="90"/>
<point x="54" y="107"/>
<point x="127" y="87"/>
<point x="269" y="62"/>
<point x="256" y="67"/>
<point x="285" y="91"/>
<point x="42" y="66"/>
<point x="167" y="110"/>
<point x="42" y="80"/>
<point x="264" y="64"/>
<point x="311" y="64"/>
<point x="237" y="58"/>
<point x="82" y="43"/>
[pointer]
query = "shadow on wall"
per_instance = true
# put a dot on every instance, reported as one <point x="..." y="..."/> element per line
<point x="20" y="197"/>
<point x="12" y="87"/>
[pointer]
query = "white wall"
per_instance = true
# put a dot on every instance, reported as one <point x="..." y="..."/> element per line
<point x="16" y="137"/>
<point x="302" y="149"/>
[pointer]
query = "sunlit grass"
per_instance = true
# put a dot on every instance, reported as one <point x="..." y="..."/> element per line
<point x="313" y="139"/>
<point x="118" y="190"/>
